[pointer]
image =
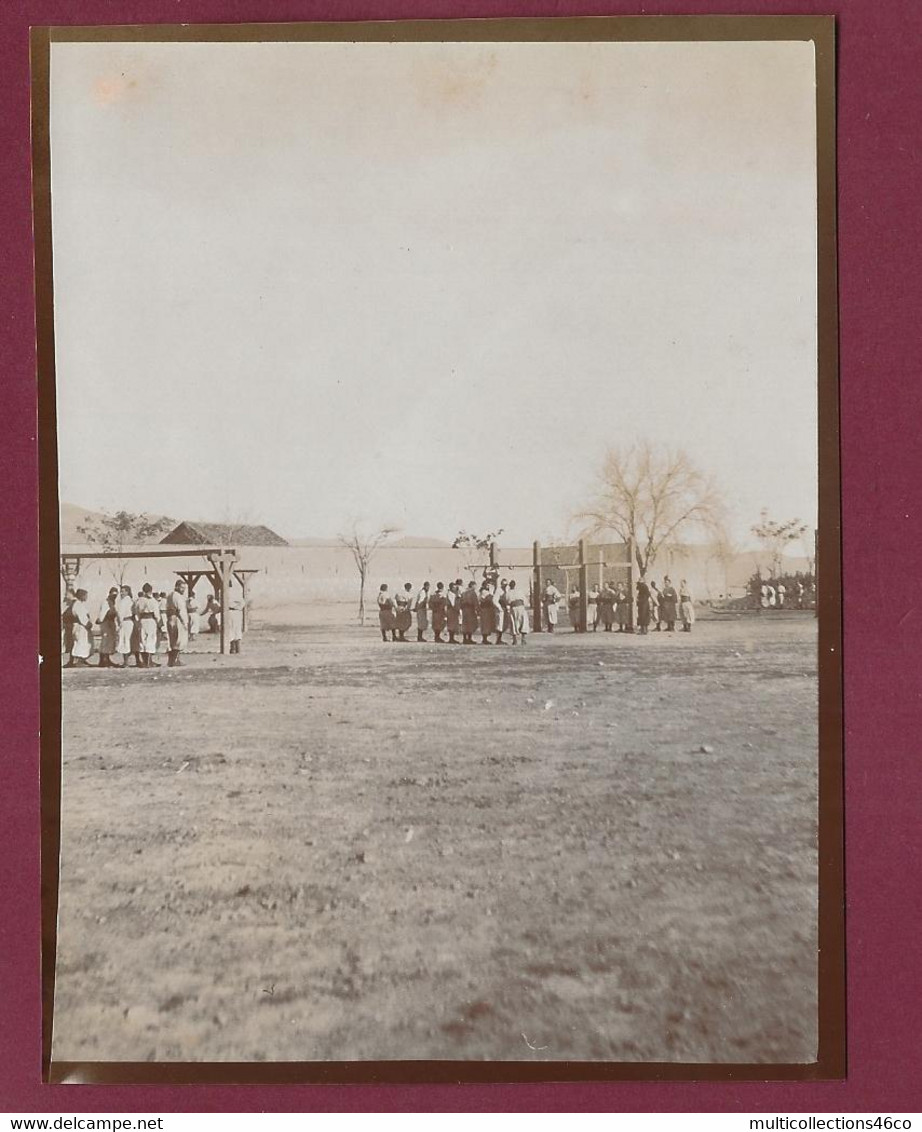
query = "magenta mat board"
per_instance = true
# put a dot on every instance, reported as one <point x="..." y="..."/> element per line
<point x="880" y="230"/>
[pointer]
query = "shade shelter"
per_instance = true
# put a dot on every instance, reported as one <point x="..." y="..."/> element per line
<point x="222" y="561"/>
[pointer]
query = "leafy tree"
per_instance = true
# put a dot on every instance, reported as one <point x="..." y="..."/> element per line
<point x="120" y="531"/>
<point x="653" y="498"/>
<point x="775" y="537"/>
<point x="478" y="542"/>
<point x="363" y="546"/>
<point x="475" y="542"/>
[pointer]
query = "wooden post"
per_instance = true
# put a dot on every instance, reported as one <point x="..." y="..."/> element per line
<point x="223" y="563"/>
<point x="583" y="587"/>
<point x="70" y="569"/>
<point x="631" y="587"/>
<point x="536" y="596"/>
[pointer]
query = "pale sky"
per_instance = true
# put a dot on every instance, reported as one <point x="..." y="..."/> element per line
<point x="430" y="284"/>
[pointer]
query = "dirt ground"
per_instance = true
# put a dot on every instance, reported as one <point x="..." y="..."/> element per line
<point x="594" y="847"/>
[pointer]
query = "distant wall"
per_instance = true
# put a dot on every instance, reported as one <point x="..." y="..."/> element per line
<point x="293" y="576"/>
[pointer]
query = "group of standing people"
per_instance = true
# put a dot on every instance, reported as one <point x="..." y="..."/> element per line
<point x="774" y="594"/>
<point x="140" y="626"/>
<point x="494" y="609"/>
<point x="609" y="605"/>
<point x="498" y="607"/>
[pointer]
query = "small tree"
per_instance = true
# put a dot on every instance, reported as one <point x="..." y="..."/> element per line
<point x="652" y="498"/>
<point x="475" y="542"/>
<point x="121" y="531"/>
<point x="363" y="547"/>
<point x="774" y="537"/>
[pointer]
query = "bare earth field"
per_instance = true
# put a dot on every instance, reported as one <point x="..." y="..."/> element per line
<point x="594" y="847"/>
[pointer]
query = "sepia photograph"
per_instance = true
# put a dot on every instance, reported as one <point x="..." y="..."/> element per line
<point x="471" y="336"/>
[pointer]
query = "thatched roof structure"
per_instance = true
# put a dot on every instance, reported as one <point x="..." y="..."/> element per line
<point x="223" y="534"/>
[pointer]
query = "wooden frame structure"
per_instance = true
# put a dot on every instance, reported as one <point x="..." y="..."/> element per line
<point x="222" y="560"/>
<point x="193" y="577"/>
<point x="582" y="564"/>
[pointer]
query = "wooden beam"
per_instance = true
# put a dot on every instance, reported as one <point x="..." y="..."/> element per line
<point x="188" y="552"/>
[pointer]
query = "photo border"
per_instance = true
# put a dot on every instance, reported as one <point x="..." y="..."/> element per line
<point x="831" y="1060"/>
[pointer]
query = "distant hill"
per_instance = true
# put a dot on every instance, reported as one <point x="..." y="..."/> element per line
<point x="417" y="541"/>
<point x="74" y="516"/>
<point x="420" y="541"/>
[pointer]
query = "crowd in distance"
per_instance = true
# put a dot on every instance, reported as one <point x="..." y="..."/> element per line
<point x="499" y="607"/>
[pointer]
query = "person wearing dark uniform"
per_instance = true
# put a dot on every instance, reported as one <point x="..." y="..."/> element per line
<point x="108" y="623"/>
<point x="67" y="623"/>
<point x="643" y="606"/>
<point x="668" y="602"/>
<point x="438" y="607"/>
<point x="518" y="614"/>
<point x="606" y="604"/>
<point x="488" y="612"/>
<point x="573" y="608"/>
<point x="503" y="616"/>
<point x="470" y="607"/>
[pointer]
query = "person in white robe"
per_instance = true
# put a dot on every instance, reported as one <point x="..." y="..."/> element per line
<point x="421" y="609"/>
<point x="82" y="626"/>
<point x="234" y="616"/>
<point x="550" y="599"/>
<point x="194" y="617"/>
<point x="125" y="645"/>
<point x="147" y="611"/>
<point x="177" y="623"/>
<point x="592" y="609"/>
<point x="686" y="606"/>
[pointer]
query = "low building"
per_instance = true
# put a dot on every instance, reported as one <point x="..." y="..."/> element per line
<point x="222" y="534"/>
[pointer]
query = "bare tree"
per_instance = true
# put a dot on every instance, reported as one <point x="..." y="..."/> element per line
<point x="363" y="547"/>
<point x="775" y="537"/>
<point x="653" y="498"/>
<point x="121" y="531"/>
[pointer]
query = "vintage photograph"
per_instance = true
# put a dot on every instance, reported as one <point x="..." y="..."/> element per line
<point x="457" y="342"/>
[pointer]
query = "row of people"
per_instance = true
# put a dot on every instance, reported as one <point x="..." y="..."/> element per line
<point x="609" y="605"/>
<point x="139" y="626"/>
<point x="493" y="610"/>
<point x="499" y="607"/>
<point x="774" y="595"/>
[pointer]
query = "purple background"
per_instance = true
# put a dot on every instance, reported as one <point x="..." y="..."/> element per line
<point x="880" y="230"/>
